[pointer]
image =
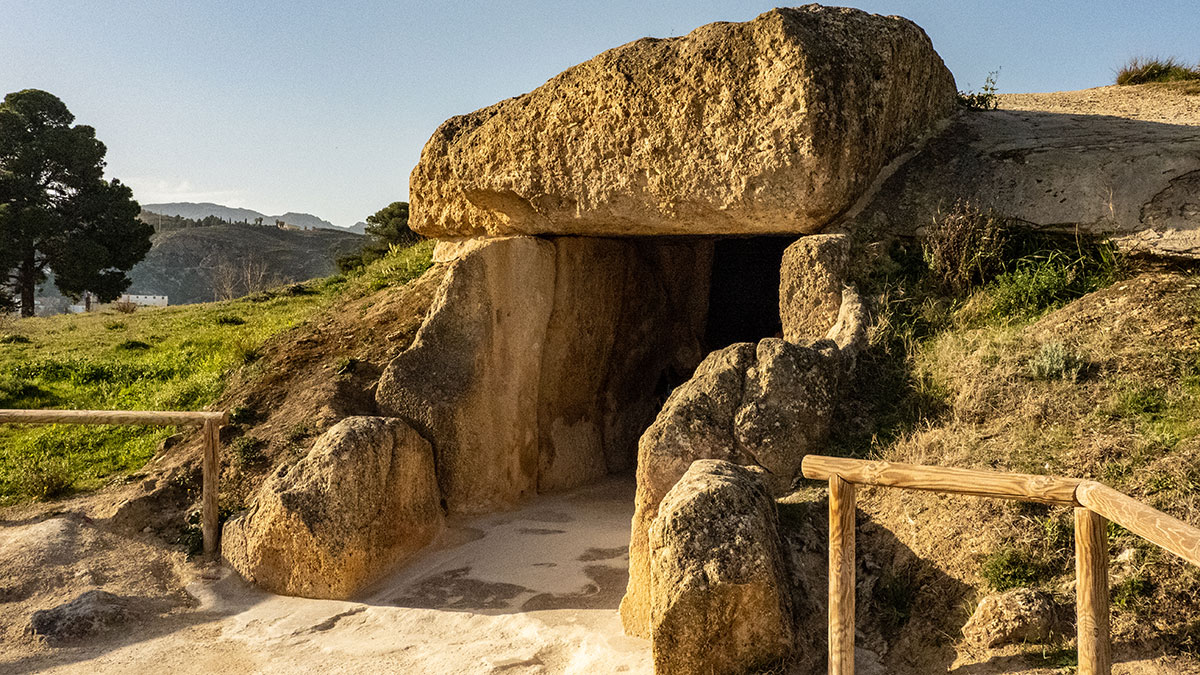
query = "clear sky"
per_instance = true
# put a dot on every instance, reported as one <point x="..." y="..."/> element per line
<point x="323" y="107"/>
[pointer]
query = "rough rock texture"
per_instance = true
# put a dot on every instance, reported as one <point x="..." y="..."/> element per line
<point x="811" y="278"/>
<point x="363" y="499"/>
<point x="1019" y="615"/>
<point x="543" y="360"/>
<point x="774" y="125"/>
<point x="1070" y="163"/>
<point x="469" y="383"/>
<point x="718" y="575"/>
<point x="765" y="405"/>
<point x="92" y="612"/>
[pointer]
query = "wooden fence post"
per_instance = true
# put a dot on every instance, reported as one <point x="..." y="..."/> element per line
<point x="209" y="514"/>
<point x="841" y="576"/>
<point x="1091" y="592"/>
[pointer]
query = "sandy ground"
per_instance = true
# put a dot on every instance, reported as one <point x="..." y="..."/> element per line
<point x="530" y="591"/>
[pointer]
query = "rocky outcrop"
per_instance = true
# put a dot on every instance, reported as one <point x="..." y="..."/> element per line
<point x="718" y="575"/>
<point x="92" y="612"/>
<point x="1075" y="166"/>
<point x="1016" y="616"/>
<point x="363" y="500"/>
<point x="765" y="405"/>
<point x="774" y="125"/>
<point x="469" y="383"/>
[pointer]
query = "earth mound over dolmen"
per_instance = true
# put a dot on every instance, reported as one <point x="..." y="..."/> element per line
<point x="569" y="326"/>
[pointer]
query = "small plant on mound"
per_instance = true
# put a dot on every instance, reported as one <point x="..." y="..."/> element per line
<point x="249" y="451"/>
<point x="985" y="99"/>
<point x="14" y="339"/>
<point x="132" y="345"/>
<point x="1053" y="361"/>
<point x="1011" y="568"/>
<point x="965" y="248"/>
<point x="1143" y="71"/>
<point x="125" y="306"/>
<point x="229" y="320"/>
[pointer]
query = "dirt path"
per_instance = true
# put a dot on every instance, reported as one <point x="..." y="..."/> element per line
<point x="529" y="591"/>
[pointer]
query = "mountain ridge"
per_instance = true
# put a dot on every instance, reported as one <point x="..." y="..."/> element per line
<point x="200" y="210"/>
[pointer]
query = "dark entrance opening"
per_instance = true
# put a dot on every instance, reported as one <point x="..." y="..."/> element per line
<point x="743" y="299"/>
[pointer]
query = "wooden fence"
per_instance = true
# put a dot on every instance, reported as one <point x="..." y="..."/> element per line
<point x="209" y="422"/>
<point x="1094" y="505"/>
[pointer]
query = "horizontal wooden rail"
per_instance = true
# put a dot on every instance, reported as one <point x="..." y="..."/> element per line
<point x="210" y="423"/>
<point x="1151" y="524"/>
<point x="1025" y="487"/>
<point x="1095" y="505"/>
<point x="154" y="417"/>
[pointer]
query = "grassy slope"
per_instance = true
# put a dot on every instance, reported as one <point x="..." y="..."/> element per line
<point x="1021" y="376"/>
<point x="154" y="359"/>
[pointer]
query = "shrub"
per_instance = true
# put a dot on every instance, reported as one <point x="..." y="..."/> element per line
<point x="299" y="433"/>
<point x="241" y="414"/>
<point x="1128" y="594"/>
<point x="14" y="339"/>
<point x="114" y="325"/>
<point x="985" y="99"/>
<point x="125" y="306"/>
<point x="1053" y="361"/>
<point x="1010" y="568"/>
<point x="1051" y="277"/>
<point x="248" y="451"/>
<point x="965" y="248"/>
<point x="1142" y="71"/>
<point x="229" y="320"/>
<point x="132" y="345"/>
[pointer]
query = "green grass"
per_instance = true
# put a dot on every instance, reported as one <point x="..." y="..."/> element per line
<point x="1144" y="71"/>
<point x="174" y="358"/>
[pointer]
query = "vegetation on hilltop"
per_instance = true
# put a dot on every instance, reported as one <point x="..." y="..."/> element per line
<point x="178" y="358"/>
<point x="1145" y="71"/>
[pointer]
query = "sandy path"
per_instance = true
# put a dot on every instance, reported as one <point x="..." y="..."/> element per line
<point x="1167" y="104"/>
<point x="529" y="591"/>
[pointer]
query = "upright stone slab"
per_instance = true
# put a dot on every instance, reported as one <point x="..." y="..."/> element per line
<point x="470" y="381"/>
<point x="770" y="126"/>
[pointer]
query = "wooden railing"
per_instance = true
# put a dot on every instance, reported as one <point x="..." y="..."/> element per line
<point x="209" y="422"/>
<point x="1094" y="504"/>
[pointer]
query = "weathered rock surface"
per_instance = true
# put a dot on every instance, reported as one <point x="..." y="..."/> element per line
<point x="1019" y="615"/>
<point x="811" y="278"/>
<point x="543" y="360"/>
<point x="718" y="575"/>
<point x="92" y="612"/>
<point x="765" y="405"/>
<point x="1071" y="162"/>
<point x="774" y="125"/>
<point x="363" y="499"/>
<point x="469" y="383"/>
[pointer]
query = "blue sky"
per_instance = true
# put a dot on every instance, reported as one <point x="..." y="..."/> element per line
<point x="323" y="107"/>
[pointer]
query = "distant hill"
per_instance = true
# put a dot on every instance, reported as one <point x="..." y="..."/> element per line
<point x="200" y="210"/>
<point x="183" y="264"/>
<point x="358" y="228"/>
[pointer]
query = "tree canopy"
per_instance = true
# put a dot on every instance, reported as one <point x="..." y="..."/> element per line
<point x="386" y="227"/>
<point x="57" y="212"/>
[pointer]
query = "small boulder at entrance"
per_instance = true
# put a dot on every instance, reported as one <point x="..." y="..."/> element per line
<point x="811" y="277"/>
<point x="718" y="574"/>
<point x="364" y="499"/>
<point x="771" y="126"/>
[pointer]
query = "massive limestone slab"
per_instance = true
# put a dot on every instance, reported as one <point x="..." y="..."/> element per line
<point x="470" y="381"/>
<point x="719" y="575"/>
<point x="363" y="500"/>
<point x="774" y="125"/>
<point x="1088" y="161"/>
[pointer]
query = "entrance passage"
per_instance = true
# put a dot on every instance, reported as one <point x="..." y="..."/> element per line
<point x="743" y="299"/>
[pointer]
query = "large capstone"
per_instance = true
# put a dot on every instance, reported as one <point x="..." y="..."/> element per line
<point x="775" y="125"/>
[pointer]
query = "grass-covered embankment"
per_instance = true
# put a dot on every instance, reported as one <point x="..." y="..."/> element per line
<point x="174" y="358"/>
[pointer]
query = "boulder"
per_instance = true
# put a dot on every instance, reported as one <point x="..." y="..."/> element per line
<point x="811" y="277"/>
<point x="363" y="500"/>
<point x="718" y="575"/>
<point x="92" y="612"/>
<point x="1016" y="616"/>
<point x="469" y="382"/>
<point x="766" y="405"/>
<point x="774" y="125"/>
